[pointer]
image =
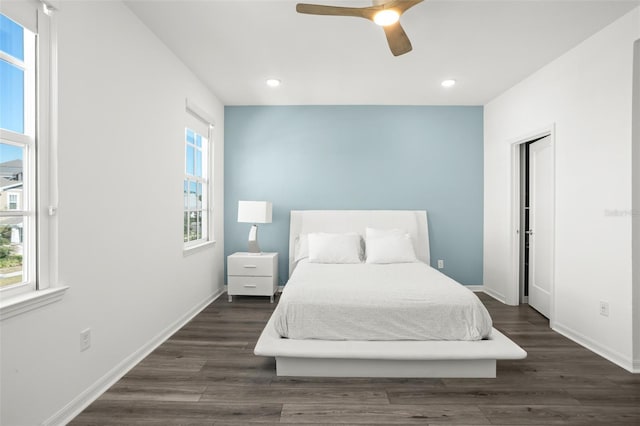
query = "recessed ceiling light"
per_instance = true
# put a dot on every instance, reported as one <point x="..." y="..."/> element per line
<point x="273" y="82"/>
<point x="448" y="83"/>
<point x="386" y="17"/>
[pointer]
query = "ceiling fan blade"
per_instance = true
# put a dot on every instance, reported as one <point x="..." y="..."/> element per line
<point x="316" y="9"/>
<point x="398" y="40"/>
<point x="401" y="5"/>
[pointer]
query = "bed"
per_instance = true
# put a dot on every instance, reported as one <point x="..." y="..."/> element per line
<point x="354" y="319"/>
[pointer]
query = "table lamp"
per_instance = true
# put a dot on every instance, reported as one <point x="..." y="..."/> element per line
<point x="254" y="212"/>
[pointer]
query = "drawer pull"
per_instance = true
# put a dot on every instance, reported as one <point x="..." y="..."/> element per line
<point x="249" y="286"/>
<point x="250" y="266"/>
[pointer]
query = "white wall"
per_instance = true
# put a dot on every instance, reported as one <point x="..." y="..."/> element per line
<point x="121" y="162"/>
<point x="587" y="94"/>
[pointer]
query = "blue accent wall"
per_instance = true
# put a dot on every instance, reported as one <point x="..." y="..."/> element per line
<point x="355" y="158"/>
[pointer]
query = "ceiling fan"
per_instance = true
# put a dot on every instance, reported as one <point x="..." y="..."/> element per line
<point x="384" y="13"/>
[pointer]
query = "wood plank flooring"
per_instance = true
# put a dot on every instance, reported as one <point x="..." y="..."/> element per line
<point x="206" y="374"/>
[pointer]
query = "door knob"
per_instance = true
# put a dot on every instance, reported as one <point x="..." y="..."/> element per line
<point x="529" y="232"/>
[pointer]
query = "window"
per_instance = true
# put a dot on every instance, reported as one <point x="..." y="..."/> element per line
<point x="17" y="154"/>
<point x="13" y="201"/>
<point x="197" y="177"/>
<point x="28" y="244"/>
<point x="196" y="188"/>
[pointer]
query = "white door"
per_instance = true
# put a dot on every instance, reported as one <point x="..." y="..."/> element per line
<point x="540" y="225"/>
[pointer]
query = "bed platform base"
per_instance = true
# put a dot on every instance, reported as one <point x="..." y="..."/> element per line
<point x="316" y="367"/>
<point x="437" y="359"/>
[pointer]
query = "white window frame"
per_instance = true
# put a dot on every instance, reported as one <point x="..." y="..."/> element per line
<point x="206" y="180"/>
<point x="39" y="198"/>
<point x="203" y="181"/>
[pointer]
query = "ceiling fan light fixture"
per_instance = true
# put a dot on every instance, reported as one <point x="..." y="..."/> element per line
<point x="386" y="17"/>
<point x="448" y="83"/>
<point x="385" y="13"/>
<point x="273" y="82"/>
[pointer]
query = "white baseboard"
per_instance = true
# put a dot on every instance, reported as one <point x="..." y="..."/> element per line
<point x="82" y="401"/>
<point x="607" y="353"/>
<point x="498" y="296"/>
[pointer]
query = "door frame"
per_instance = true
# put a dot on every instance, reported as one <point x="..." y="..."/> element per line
<point x="513" y="290"/>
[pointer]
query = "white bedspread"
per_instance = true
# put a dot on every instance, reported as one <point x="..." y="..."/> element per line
<point x="406" y="301"/>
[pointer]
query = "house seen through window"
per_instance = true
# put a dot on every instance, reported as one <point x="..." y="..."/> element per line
<point x="17" y="154"/>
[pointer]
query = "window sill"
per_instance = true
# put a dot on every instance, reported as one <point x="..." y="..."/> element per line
<point x="30" y="301"/>
<point x="197" y="248"/>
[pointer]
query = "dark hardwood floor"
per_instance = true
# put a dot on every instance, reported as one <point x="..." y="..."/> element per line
<point x="206" y="374"/>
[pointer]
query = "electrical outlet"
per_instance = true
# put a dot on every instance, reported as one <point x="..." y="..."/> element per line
<point x="85" y="339"/>
<point x="604" y="309"/>
<point x="440" y="263"/>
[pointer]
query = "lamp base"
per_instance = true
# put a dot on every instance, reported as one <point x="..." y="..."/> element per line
<point x="254" y="247"/>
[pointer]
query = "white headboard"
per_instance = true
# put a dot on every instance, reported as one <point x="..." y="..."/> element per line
<point x="338" y="221"/>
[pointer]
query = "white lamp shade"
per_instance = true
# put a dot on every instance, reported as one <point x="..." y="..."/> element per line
<point x="254" y="211"/>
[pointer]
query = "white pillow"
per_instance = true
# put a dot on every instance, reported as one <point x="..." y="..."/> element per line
<point x="389" y="246"/>
<point x="334" y="248"/>
<point x="301" y="248"/>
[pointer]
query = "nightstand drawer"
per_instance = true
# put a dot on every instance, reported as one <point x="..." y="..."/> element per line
<point x="251" y="286"/>
<point x="254" y="266"/>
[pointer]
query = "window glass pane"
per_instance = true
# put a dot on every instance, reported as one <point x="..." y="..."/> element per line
<point x="199" y="226"/>
<point x="192" y="226"/>
<point x="11" y="249"/>
<point x="186" y="227"/>
<point x="199" y="197"/>
<point x="186" y="194"/>
<point x="11" y="38"/>
<point x="190" y="137"/>
<point x="198" y="163"/>
<point x="192" y="195"/>
<point x="11" y="97"/>
<point x="11" y="177"/>
<point x="190" y="156"/>
<point x="198" y="140"/>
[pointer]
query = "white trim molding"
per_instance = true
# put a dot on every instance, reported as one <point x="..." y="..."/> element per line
<point x="93" y="392"/>
<point x="607" y="353"/>
<point x="475" y="288"/>
<point x="26" y="302"/>
<point x="199" y="112"/>
<point x="496" y="295"/>
<point x="188" y="251"/>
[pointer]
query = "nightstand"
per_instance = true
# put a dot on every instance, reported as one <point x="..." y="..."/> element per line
<point x="252" y="274"/>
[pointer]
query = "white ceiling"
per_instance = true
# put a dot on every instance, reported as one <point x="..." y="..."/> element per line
<point x="487" y="46"/>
